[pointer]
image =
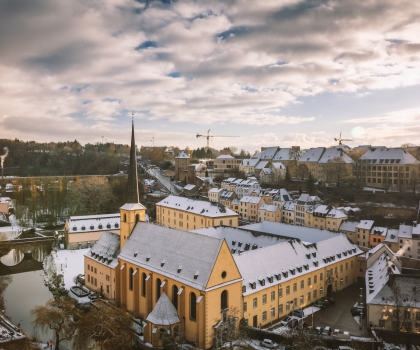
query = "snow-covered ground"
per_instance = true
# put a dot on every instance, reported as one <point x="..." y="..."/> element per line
<point x="70" y="263"/>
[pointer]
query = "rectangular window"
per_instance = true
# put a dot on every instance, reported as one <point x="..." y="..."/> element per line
<point x="254" y="303"/>
<point x="309" y="296"/>
<point x="287" y="306"/>
<point x="320" y="276"/>
<point x="273" y="313"/>
<point x="273" y="295"/>
<point x="96" y="281"/>
<point x="341" y="268"/>
<point x="280" y="309"/>
<point x="280" y="292"/>
<point x="351" y="264"/>
<point x="107" y="289"/>
<point x="265" y="299"/>
<point x="95" y="270"/>
<point x="315" y="294"/>
<point x="89" y="278"/>
<point x="88" y="267"/>
<point x="295" y="287"/>
<point x="315" y="278"/>
<point x="309" y="282"/>
<point x="288" y="290"/>
<point x="302" y="284"/>
<point x="301" y="300"/>
<point x="347" y="266"/>
<point x="264" y="318"/>
<point x="107" y="277"/>
<point x="245" y="307"/>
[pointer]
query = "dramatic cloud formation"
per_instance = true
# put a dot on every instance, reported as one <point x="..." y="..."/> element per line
<point x="78" y="69"/>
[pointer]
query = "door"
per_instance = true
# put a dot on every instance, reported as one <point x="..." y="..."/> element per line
<point x="329" y="289"/>
<point x="255" y="322"/>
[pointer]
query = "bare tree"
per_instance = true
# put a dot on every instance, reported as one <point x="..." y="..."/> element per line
<point x="105" y="325"/>
<point x="358" y="162"/>
<point x="302" y="171"/>
<point x="337" y="170"/>
<point x="59" y="316"/>
<point x="294" y="155"/>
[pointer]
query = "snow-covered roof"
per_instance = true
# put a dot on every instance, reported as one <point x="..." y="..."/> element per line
<point x="392" y="235"/>
<point x="405" y="231"/>
<point x="182" y="154"/>
<point x="189" y="187"/>
<point x="267" y="171"/>
<point x="312" y="155"/>
<point x="267" y="154"/>
<point x="241" y="240"/>
<point x="166" y="251"/>
<point x="349" y="226"/>
<point x="268" y="207"/>
<point x="278" y="166"/>
<point x="331" y="153"/>
<point x="106" y="249"/>
<point x="235" y="201"/>
<point x="89" y="223"/>
<point x="306" y="199"/>
<point x="283" y="195"/>
<point x="282" y="154"/>
<point x="164" y="312"/>
<point x="216" y="190"/>
<point x="348" y="209"/>
<point x="205" y="208"/>
<point x="365" y="224"/>
<point x="226" y="195"/>
<point x="303" y="233"/>
<point x="225" y="156"/>
<point x="269" y="263"/>
<point x="249" y="162"/>
<point x="228" y="180"/>
<point x="379" y="231"/>
<point x="250" y="199"/>
<point x="262" y="164"/>
<point x="290" y="205"/>
<point x="133" y="206"/>
<point x="384" y="155"/>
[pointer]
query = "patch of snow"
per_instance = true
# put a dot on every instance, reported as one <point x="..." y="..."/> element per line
<point x="148" y="344"/>
<point x="309" y="310"/>
<point x="70" y="263"/>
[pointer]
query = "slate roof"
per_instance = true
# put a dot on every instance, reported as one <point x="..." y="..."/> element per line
<point x="382" y="155"/>
<point x="283" y="196"/>
<point x="260" y="264"/>
<point x="261" y="164"/>
<point x="312" y="155"/>
<point x="267" y="171"/>
<point x="349" y="226"/>
<point x="93" y="223"/>
<point x="282" y="154"/>
<point x="289" y="206"/>
<point x="268" y="154"/>
<point x="365" y="224"/>
<point x="133" y="206"/>
<point x="106" y="249"/>
<point x="268" y="207"/>
<point x="303" y="233"/>
<point x="379" y="231"/>
<point x="405" y="231"/>
<point x="241" y="240"/>
<point x="205" y="208"/>
<point x="331" y="153"/>
<point x="182" y="154"/>
<point x="249" y="162"/>
<point x="164" y="312"/>
<point x="278" y="166"/>
<point x="250" y="199"/>
<point x="392" y="236"/>
<point x="165" y="250"/>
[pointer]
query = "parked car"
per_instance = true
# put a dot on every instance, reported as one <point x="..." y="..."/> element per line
<point x="298" y="313"/>
<point x="326" y="301"/>
<point x="326" y="331"/>
<point x="293" y="323"/>
<point x="285" y="321"/>
<point x="336" y="333"/>
<point x="268" y="343"/>
<point x="319" y="330"/>
<point x="331" y="300"/>
<point x="319" y="303"/>
<point x="302" y="324"/>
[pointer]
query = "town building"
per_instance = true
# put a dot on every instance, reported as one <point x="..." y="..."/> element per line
<point x="5" y="205"/>
<point x="281" y="198"/>
<point x="310" y="160"/>
<point x="248" y="166"/>
<point x="377" y="236"/>
<point x="363" y="231"/>
<point x="409" y="240"/>
<point x="214" y="194"/>
<point x="188" y="214"/>
<point x="272" y="173"/>
<point x="349" y="228"/>
<point x="226" y="163"/>
<point x="302" y="205"/>
<point x="325" y="216"/>
<point x="288" y="213"/>
<point x="248" y="207"/>
<point x="84" y="231"/>
<point x="182" y="161"/>
<point x="392" y="240"/>
<point x="268" y="212"/>
<point x="227" y="197"/>
<point x="333" y="162"/>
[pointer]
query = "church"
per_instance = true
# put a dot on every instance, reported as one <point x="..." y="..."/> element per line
<point x="203" y="282"/>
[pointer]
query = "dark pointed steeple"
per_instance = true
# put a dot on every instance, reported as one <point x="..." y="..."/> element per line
<point x="132" y="191"/>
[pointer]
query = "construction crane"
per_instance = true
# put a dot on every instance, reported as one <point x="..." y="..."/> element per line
<point x="208" y="137"/>
<point x="340" y="140"/>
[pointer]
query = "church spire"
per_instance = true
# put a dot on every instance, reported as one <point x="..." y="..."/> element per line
<point x="132" y="191"/>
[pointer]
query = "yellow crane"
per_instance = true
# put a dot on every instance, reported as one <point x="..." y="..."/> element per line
<point x="208" y="137"/>
<point x="340" y="140"/>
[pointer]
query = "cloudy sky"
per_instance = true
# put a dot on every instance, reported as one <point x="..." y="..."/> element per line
<point x="272" y="72"/>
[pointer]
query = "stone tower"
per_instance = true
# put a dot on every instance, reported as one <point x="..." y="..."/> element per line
<point x="132" y="190"/>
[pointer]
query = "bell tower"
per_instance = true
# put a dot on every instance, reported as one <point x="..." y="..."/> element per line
<point x="130" y="213"/>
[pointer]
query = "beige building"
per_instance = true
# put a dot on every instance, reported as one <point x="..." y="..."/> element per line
<point x="4" y="205"/>
<point x="84" y="231"/>
<point x="248" y="207"/>
<point x="302" y="205"/>
<point x="214" y="194"/>
<point x="288" y="213"/>
<point x="188" y="214"/>
<point x="225" y="163"/>
<point x="226" y="198"/>
<point x="182" y="161"/>
<point x="267" y="212"/>
<point x="328" y="166"/>
<point x="325" y="217"/>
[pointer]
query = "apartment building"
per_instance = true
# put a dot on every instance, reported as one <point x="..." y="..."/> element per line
<point x="272" y="173"/>
<point x="349" y="228"/>
<point x="325" y="168"/>
<point x="377" y="236"/>
<point x="182" y="161"/>
<point x="188" y="214"/>
<point x="267" y="212"/>
<point x="409" y="241"/>
<point x="214" y="194"/>
<point x="248" y="166"/>
<point x="302" y="205"/>
<point x="288" y="213"/>
<point x="363" y="231"/>
<point x="311" y="158"/>
<point x="248" y="207"/>
<point x="225" y="163"/>
<point x="387" y="168"/>
<point x="281" y="197"/>
<point x="325" y="217"/>
<point x="227" y="197"/>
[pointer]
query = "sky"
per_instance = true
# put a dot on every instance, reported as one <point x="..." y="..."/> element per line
<point x="274" y="73"/>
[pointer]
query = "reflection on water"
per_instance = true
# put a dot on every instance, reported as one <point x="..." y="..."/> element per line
<point x="39" y="253"/>
<point x="13" y="258"/>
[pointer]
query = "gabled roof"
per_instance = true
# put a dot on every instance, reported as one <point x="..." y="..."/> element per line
<point x="267" y="171"/>
<point x="268" y="207"/>
<point x="283" y="195"/>
<point x="349" y="226"/>
<point x="133" y="206"/>
<point x="249" y="162"/>
<point x="278" y="166"/>
<point x="182" y="154"/>
<point x="260" y="264"/>
<point x="312" y="155"/>
<point x="87" y="223"/>
<point x="262" y="164"/>
<point x="166" y="250"/>
<point x="290" y="205"/>
<point x="331" y="153"/>
<point x="225" y="156"/>
<point x="385" y="156"/>
<point x="250" y="199"/>
<point x="205" y="208"/>
<point x="267" y="154"/>
<point x="164" y="312"/>
<point x="106" y="249"/>
<point x="282" y="154"/>
<point x="392" y="236"/>
<point x="365" y="224"/>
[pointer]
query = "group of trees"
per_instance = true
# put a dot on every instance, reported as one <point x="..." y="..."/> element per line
<point x="61" y="158"/>
<point x="102" y="325"/>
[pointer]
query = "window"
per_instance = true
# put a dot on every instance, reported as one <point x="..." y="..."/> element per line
<point x="96" y="282"/>
<point x="347" y="266"/>
<point x="273" y="313"/>
<point x="288" y="290"/>
<point x="315" y="294"/>
<point x="125" y="218"/>
<point x="295" y="287"/>
<point x="107" y="289"/>
<point x="320" y="276"/>
<point x="309" y="296"/>
<point x="351" y="264"/>
<point x="264" y="299"/>
<point x="302" y="284"/>
<point x="175" y="296"/>
<point x="287" y="306"/>
<point x="89" y="278"/>
<point x="143" y="286"/>
<point x="321" y="292"/>
<point x="88" y="267"/>
<point x="224" y="300"/>
<point x="158" y="283"/>
<point x="309" y="281"/>
<point x="130" y="278"/>
<point x="245" y="307"/>
<point x="280" y="292"/>
<point x="315" y="278"/>
<point x="107" y="277"/>
<point x="264" y="316"/>
<point x="254" y="303"/>
<point x="280" y="309"/>
<point x="341" y="268"/>
<point x="193" y="306"/>
<point x="301" y="299"/>
<point x="95" y="270"/>
<point x="273" y="295"/>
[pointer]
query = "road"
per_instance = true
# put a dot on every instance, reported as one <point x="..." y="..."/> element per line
<point x="164" y="181"/>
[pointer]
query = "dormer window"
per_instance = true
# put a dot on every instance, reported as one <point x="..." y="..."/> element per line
<point x="74" y="228"/>
<point x="243" y="289"/>
<point x="285" y="274"/>
<point x="162" y="263"/>
<point x="299" y="269"/>
<point x="270" y="279"/>
<point x="233" y="242"/>
<point x="100" y="226"/>
<point x="116" y="225"/>
<point x="136" y="252"/>
<point x="316" y="263"/>
<point x="247" y="246"/>
<point x="108" y="226"/>
<point x="196" y="275"/>
<point x="240" y="244"/>
<point x="262" y="282"/>
<point x="314" y="254"/>
<point x="179" y="268"/>
<point x="148" y="258"/>
<point x="308" y="256"/>
<point x="306" y="267"/>
<point x="83" y="227"/>
<point x="92" y="227"/>
<point x="293" y="271"/>
<point x="253" y="285"/>
<point x="254" y="247"/>
<point x="278" y="276"/>
<point x="339" y="255"/>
